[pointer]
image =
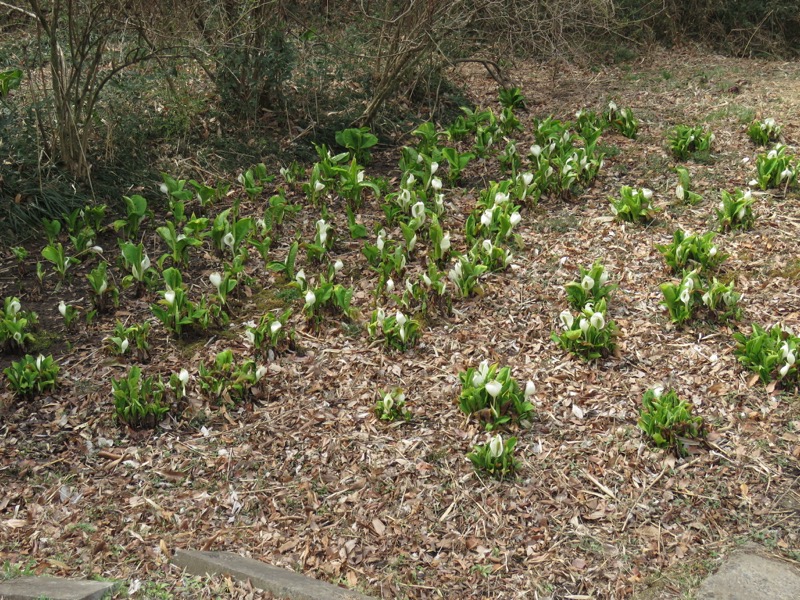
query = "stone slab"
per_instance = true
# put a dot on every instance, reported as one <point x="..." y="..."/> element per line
<point x="54" y="588"/>
<point x="280" y="582"/>
<point x="748" y="575"/>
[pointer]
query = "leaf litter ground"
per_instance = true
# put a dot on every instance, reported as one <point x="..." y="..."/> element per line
<point x="307" y="478"/>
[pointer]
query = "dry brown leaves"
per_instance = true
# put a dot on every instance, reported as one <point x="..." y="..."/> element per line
<point x="308" y="479"/>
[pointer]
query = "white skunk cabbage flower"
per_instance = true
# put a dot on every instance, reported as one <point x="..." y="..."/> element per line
<point x="493" y="388"/>
<point x="496" y="446"/>
<point x="311" y="298"/>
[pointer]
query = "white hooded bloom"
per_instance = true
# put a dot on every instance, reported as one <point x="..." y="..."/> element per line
<point x="275" y="327"/>
<point x="658" y="391"/>
<point x="587" y="283"/>
<point x="426" y="279"/>
<point x="418" y="210"/>
<point x="444" y="245"/>
<point x="123" y="346"/>
<point x="685" y="295"/>
<point x="400" y="318"/>
<point x="487" y="246"/>
<point x="39" y="360"/>
<point x="566" y="319"/>
<point x="487" y="217"/>
<point x="584" y="325"/>
<point x="360" y="176"/>
<point x="163" y="188"/>
<point x="598" y="321"/>
<point x="412" y="243"/>
<point x="388" y="403"/>
<point x="311" y="298"/>
<point x="496" y="446"/>
<point x="772" y="154"/>
<point x="456" y="273"/>
<point x="318" y="186"/>
<point x="13" y="308"/>
<point x="493" y="388"/>
<point x="169" y="296"/>
<point x="679" y="191"/>
<point x="183" y="376"/>
<point x="300" y="277"/>
<point x="612" y="106"/>
<point x="500" y="198"/>
<point x="62" y="308"/>
<point x="536" y="150"/>
<point x="729" y="298"/>
<point x="527" y="178"/>
<point x="338" y="265"/>
<point x="216" y="280"/>
<point x="380" y="243"/>
<point x="434" y="167"/>
<point x="411" y="180"/>
<point x="390" y="285"/>
<point x="712" y="251"/>
<point x="480" y="375"/>
<point x="380" y="316"/>
<point x="707" y="299"/>
<point x="436" y="184"/>
<point x="515" y="218"/>
<point x="530" y="389"/>
<point x="322" y="229"/>
<point x="248" y="332"/>
<point x="228" y="240"/>
<point x="260" y="372"/>
<point x="603" y="278"/>
<point x="784" y="370"/>
<point x="647" y="193"/>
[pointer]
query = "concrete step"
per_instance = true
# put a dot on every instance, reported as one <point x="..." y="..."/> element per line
<point x="54" y="588"/>
<point x="281" y="582"/>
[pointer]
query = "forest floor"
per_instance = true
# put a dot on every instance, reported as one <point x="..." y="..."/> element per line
<point x="306" y="477"/>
